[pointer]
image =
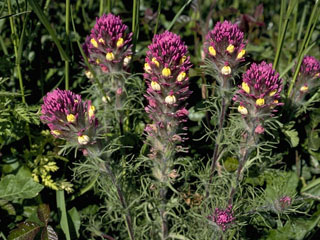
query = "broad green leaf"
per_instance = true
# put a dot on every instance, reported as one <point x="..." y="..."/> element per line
<point x="292" y="137"/>
<point x="44" y="213"/>
<point x="196" y="116"/>
<point x="25" y="231"/>
<point x="48" y="234"/>
<point x="17" y="187"/>
<point x="296" y="229"/>
<point x="76" y="222"/>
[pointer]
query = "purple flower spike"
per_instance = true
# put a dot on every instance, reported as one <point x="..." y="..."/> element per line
<point x="109" y="46"/>
<point x="307" y="80"/>
<point x="223" y="218"/>
<point x="259" y="94"/>
<point x="224" y="47"/>
<point x="68" y="117"/>
<point x="166" y="74"/>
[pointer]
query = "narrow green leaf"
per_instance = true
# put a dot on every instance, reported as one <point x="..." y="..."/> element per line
<point x="63" y="218"/>
<point x="17" y="187"/>
<point x="25" y="231"/>
<point x="43" y="212"/>
<point x="43" y="19"/>
<point x="178" y="14"/>
<point x="76" y="221"/>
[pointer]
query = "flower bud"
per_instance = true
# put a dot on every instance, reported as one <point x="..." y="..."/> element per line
<point x="83" y="139"/>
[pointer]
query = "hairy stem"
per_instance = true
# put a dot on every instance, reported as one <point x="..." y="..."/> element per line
<point x="215" y="156"/>
<point x="120" y="194"/>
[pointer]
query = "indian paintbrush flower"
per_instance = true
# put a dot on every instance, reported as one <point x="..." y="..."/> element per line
<point x="68" y="117"/>
<point x="258" y="95"/>
<point x="307" y="80"/>
<point x="108" y="47"/>
<point x="224" y="48"/>
<point x="166" y="74"/>
<point x="222" y="217"/>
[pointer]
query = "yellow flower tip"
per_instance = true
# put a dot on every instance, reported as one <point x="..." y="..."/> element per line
<point x="76" y="101"/>
<point x="154" y="60"/>
<point x="166" y="72"/>
<point x="89" y="74"/>
<point x="171" y="99"/>
<point x="272" y="93"/>
<point x="304" y="88"/>
<point x="120" y="42"/>
<point x="241" y="54"/>
<point x="260" y="101"/>
<point x="230" y="48"/>
<point x="155" y="86"/>
<point x="91" y="111"/>
<point x="181" y="76"/>
<point x="226" y="70"/>
<point x="183" y="59"/>
<point x="56" y="132"/>
<point x="317" y="75"/>
<point x="101" y="40"/>
<point x="97" y="61"/>
<point x="147" y="68"/>
<point x="242" y="110"/>
<point x="110" y="56"/>
<point x="276" y="101"/>
<point x="71" y="118"/>
<point x="245" y="87"/>
<point x="212" y="51"/>
<point x="94" y="42"/>
<point x="83" y="139"/>
<point x="127" y="60"/>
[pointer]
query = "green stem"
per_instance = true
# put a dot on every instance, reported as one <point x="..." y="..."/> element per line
<point x="109" y="6"/>
<point x="158" y="17"/>
<point x="101" y="7"/>
<point x="66" y="69"/>
<point x="120" y="194"/>
<point x="15" y="46"/>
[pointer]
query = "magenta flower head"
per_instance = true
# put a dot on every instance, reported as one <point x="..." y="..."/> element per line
<point x="68" y="117"/>
<point x="308" y="79"/>
<point x="166" y="73"/>
<point x="223" y="218"/>
<point x="109" y="44"/>
<point x="258" y="95"/>
<point x="224" y="47"/>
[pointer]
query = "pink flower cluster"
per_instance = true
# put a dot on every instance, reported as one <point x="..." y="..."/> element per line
<point x="285" y="202"/>
<point x="166" y="74"/>
<point x="68" y="117"/>
<point x="223" y="218"/>
<point x="224" y="47"/>
<point x="109" y="45"/>
<point x="258" y="95"/>
<point x="307" y="79"/>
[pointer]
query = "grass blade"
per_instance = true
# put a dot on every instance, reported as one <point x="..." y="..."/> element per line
<point x="43" y="19"/>
<point x="178" y="15"/>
